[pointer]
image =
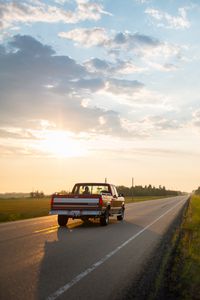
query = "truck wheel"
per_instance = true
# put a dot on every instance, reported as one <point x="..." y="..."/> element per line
<point x="121" y="217"/>
<point x="62" y="220"/>
<point x="104" y="220"/>
<point x="85" y="220"/>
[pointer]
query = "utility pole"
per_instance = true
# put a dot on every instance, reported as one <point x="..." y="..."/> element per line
<point x="132" y="188"/>
<point x="105" y="179"/>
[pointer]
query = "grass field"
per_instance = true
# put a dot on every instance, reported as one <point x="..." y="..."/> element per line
<point x="19" y="209"/>
<point x="187" y="264"/>
<point x="179" y="276"/>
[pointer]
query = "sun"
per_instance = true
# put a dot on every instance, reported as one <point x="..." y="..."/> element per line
<point x="61" y="145"/>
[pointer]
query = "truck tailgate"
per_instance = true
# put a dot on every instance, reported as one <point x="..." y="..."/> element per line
<point x="75" y="206"/>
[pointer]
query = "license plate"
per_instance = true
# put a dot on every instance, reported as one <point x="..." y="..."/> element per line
<point x="75" y="212"/>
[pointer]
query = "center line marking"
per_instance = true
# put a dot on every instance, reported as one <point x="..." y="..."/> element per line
<point x="83" y="274"/>
<point x="46" y="229"/>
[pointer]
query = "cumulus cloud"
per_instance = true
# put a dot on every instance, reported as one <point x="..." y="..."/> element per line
<point x="12" y="12"/>
<point x="161" y="123"/>
<point x="122" y="42"/>
<point x="30" y="66"/>
<point x="164" y="19"/>
<point x="36" y="84"/>
<point x="127" y="67"/>
<point x="40" y="90"/>
<point x="117" y="67"/>
<point x="86" y="36"/>
<point x="166" y="67"/>
<point x="196" y="118"/>
<point x="17" y="133"/>
<point x="97" y="65"/>
<point x="118" y="86"/>
<point x="99" y="37"/>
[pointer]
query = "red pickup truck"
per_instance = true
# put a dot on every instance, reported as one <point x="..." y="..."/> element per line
<point x="88" y="200"/>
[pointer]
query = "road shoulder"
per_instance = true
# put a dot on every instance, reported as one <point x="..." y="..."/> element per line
<point x="150" y="283"/>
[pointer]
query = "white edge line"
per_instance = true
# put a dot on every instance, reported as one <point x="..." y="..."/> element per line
<point x="83" y="274"/>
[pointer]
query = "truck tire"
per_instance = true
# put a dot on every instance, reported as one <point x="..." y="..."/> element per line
<point x="121" y="217"/>
<point x="85" y="220"/>
<point x="104" y="220"/>
<point x="62" y="220"/>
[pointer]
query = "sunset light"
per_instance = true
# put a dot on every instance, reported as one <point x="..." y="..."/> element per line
<point x="59" y="144"/>
<point x="99" y="125"/>
<point x="87" y="84"/>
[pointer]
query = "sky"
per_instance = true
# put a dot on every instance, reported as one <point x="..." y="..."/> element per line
<point x="99" y="89"/>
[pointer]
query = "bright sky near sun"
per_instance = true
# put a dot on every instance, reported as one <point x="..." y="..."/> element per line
<point x="95" y="89"/>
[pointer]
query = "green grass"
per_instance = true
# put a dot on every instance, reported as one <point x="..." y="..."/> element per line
<point x="19" y="209"/>
<point x="189" y="252"/>
<point x="143" y="198"/>
<point x="179" y="274"/>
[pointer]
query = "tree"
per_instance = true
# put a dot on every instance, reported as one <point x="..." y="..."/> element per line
<point x="197" y="192"/>
<point x="37" y="194"/>
<point x="149" y="190"/>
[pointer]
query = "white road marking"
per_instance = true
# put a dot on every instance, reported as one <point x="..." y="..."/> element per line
<point x="83" y="274"/>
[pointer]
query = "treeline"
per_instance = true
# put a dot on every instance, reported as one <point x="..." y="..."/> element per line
<point x="149" y="190"/>
<point x="37" y="194"/>
<point x="197" y="192"/>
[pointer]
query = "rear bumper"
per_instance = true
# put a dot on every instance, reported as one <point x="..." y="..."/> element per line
<point x="76" y="213"/>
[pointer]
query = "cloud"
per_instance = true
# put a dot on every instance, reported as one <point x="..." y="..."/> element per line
<point x="99" y="66"/>
<point x="196" y="118"/>
<point x="127" y="67"/>
<point x="12" y="13"/>
<point x="143" y="1"/>
<point x="36" y="84"/>
<point x="140" y="45"/>
<point x="87" y="37"/>
<point x="121" y="87"/>
<point x="61" y="2"/>
<point x="166" y="67"/>
<point x="163" y="123"/>
<point x="134" y="40"/>
<point x="30" y="46"/>
<point x="164" y="19"/>
<point x="17" y="133"/>
<point x="99" y="37"/>
<point x="91" y="85"/>
<point x="40" y="89"/>
<point x="31" y="63"/>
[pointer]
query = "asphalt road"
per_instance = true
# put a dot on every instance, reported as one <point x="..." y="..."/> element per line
<point x="82" y="261"/>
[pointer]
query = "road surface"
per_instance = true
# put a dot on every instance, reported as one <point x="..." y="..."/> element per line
<point x="39" y="260"/>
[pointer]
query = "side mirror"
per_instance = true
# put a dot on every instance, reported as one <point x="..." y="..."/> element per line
<point x="121" y="195"/>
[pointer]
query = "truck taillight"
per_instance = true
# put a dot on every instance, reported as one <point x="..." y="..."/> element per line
<point x="100" y="201"/>
<point x="52" y="200"/>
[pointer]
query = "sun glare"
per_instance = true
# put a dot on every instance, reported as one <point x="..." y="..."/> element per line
<point x="60" y="144"/>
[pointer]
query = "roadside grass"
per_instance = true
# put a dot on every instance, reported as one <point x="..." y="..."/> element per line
<point x="189" y="253"/>
<point x="23" y="208"/>
<point x="179" y="274"/>
<point x="143" y="198"/>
